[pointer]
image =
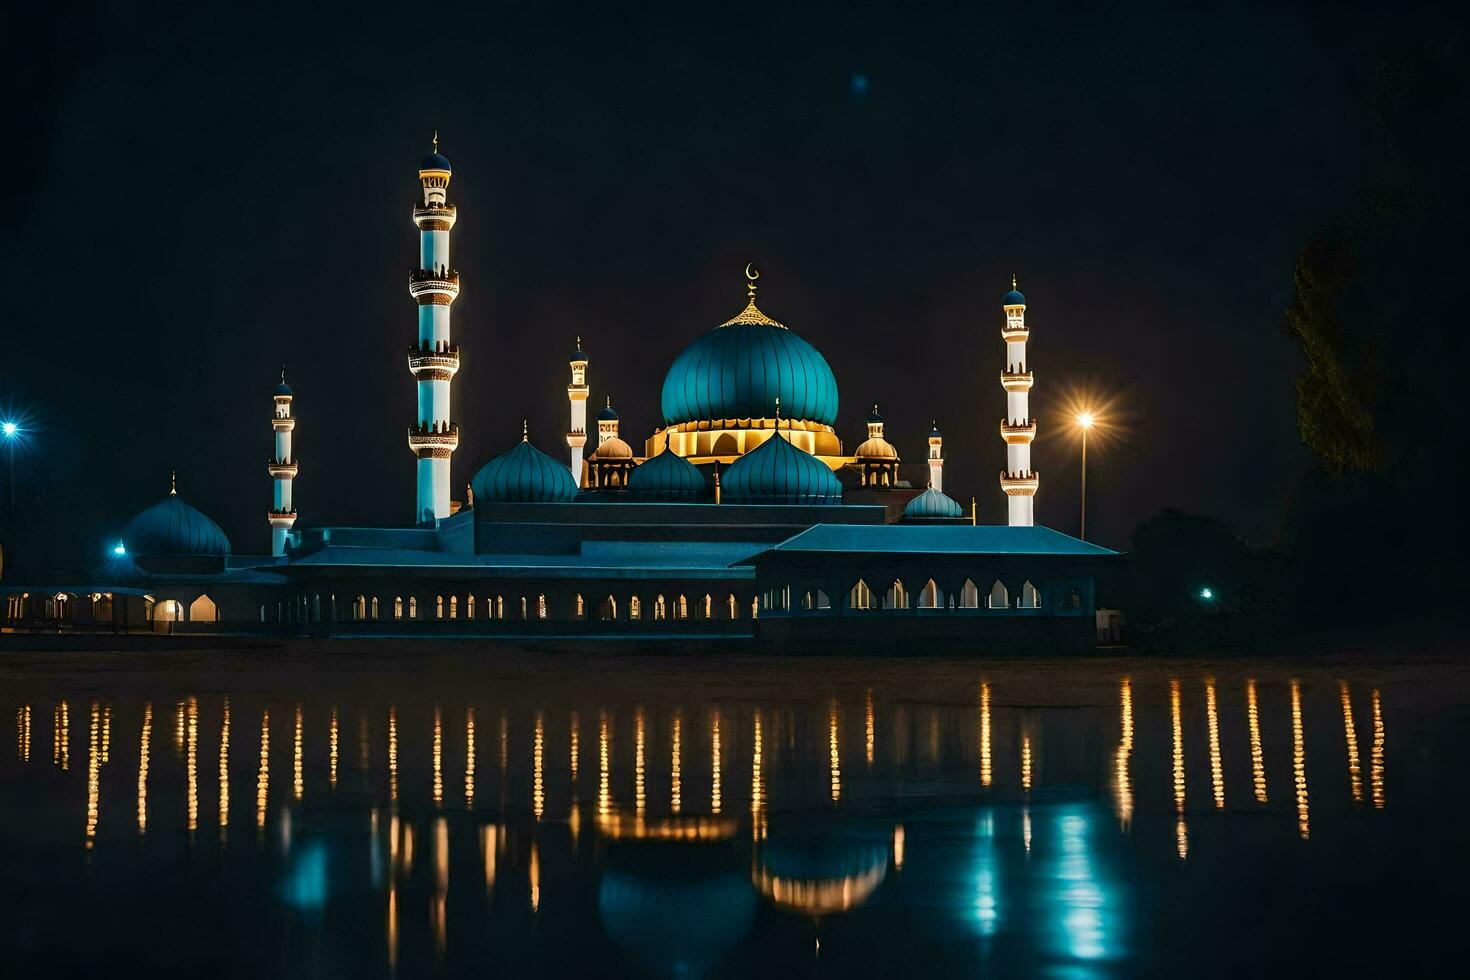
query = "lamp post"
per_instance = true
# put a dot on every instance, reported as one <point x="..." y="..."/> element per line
<point x="1085" y="422"/>
<point x="11" y="432"/>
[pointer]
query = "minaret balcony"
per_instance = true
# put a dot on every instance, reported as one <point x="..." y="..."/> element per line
<point x="431" y="442"/>
<point x="1015" y="380"/>
<point x="576" y="440"/>
<point x="283" y="423"/>
<point x="1018" y="433"/>
<point x="1015" y="332"/>
<point x="435" y="217"/>
<point x="433" y="365"/>
<point x="1020" y="484"/>
<point x="433" y="287"/>
<point x="281" y="469"/>
<point x="281" y="518"/>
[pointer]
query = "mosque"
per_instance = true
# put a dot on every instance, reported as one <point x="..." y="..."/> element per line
<point x="741" y="516"/>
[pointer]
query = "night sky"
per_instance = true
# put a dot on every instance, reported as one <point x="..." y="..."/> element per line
<point x="195" y="199"/>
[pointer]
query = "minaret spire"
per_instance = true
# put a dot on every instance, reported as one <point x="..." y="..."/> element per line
<point x="577" y="406"/>
<point x="282" y="468"/>
<point x="1018" y="480"/>
<point x="936" y="457"/>
<point x="434" y="359"/>
<point x="173" y="483"/>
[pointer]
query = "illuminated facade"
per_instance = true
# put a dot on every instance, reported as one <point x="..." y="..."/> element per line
<point x="1018" y="429"/>
<point x="577" y="399"/>
<point x="282" y="469"/>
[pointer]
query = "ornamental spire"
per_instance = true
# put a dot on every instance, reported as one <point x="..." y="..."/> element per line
<point x="751" y="314"/>
<point x="173" y="483"/>
<point x="525" y="431"/>
<point x="436" y="141"/>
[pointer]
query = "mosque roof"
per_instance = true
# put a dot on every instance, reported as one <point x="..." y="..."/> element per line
<point x="985" y="539"/>
<point x="1013" y="298"/>
<point x="435" y="161"/>
<point x="934" y="432"/>
<point x="874" y="418"/>
<point x="614" y="448"/>
<point x="776" y="472"/>
<point x="524" y="475"/>
<point x="667" y="476"/>
<point x="608" y="413"/>
<point x="173" y="527"/>
<point x="933" y="504"/>
<point x="876" y="448"/>
<point x="283" y="388"/>
<point x="739" y="370"/>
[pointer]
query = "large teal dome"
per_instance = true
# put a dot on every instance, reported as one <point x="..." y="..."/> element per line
<point x="172" y="527"/>
<point x="524" y="475"/>
<point x="932" y="505"/>
<point x="776" y="472"/>
<point x="667" y="476"/>
<point x="739" y="369"/>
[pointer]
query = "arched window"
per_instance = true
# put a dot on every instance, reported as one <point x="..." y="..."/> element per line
<point x="660" y="611"/>
<point x="398" y="607"/>
<point x="469" y="606"/>
<point x="897" y="597"/>
<point x="581" y="608"/>
<point x="709" y="607"/>
<point x="635" y="608"/>
<point x="734" y="608"/>
<point x="454" y="607"/>
<point x="316" y="608"/>
<point x="822" y="601"/>
<point x="524" y="613"/>
<point x="610" y="608"/>
<point x="500" y="607"/>
<point x="413" y="607"/>
<point x="807" y="602"/>
<point x="439" y="607"/>
<point x="373" y="608"/>
<point x="541" y="605"/>
<point x="969" y="596"/>
<point x="1030" y="597"/>
<point x="861" y="596"/>
<point x="1071" y="600"/>
<point x="999" y="597"/>
<point x="359" y="608"/>
<point x="929" y="597"/>
<point x="683" y="612"/>
<point x="755" y="607"/>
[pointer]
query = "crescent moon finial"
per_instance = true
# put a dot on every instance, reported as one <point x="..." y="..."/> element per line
<point x="751" y="275"/>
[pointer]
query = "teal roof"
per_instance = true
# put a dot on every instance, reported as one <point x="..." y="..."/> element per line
<point x="435" y="161"/>
<point x="667" y="476"/>
<point x="172" y="527"/>
<point x="776" y="472"/>
<point x="963" y="539"/>
<point x="524" y="475"/>
<point x="737" y="371"/>
<point x="1013" y="298"/>
<point x="932" y="504"/>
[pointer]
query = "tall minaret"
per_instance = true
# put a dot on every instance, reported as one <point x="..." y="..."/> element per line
<point x="434" y="360"/>
<point x="936" y="457"/>
<point x="282" y="468"/>
<point x="1018" y="428"/>
<point x="577" y="397"/>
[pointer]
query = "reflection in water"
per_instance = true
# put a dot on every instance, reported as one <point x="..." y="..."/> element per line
<point x="94" y="772"/>
<point x="535" y="876"/>
<point x="263" y="780"/>
<point x="332" y="749"/>
<point x="836" y="762"/>
<point x="1025" y="761"/>
<point x="392" y="927"/>
<point x="757" y="789"/>
<point x="393" y="753"/>
<point x="143" y="766"/>
<point x="1125" y="751"/>
<point x="1026" y="828"/>
<point x="538" y="778"/>
<point x="1355" y="774"/>
<point x="871" y="730"/>
<point x="469" y="756"/>
<point x="898" y="843"/>
<point x="298" y="784"/>
<point x="441" y="887"/>
<point x="1376" y="758"/>
<point x="224" y="767"/>
<point x="438" y="756"/>
<point x="61" y="739"/>
<point x="1181" y="831"/>
<point x="640" y="758"/>
<point x="984" y="734"/>
<point x="675" y="779"/>
<point x="987" y="878"/>
<point x="364" y="747"/>
<point x="575" y="749"/>
<point x="1084" y="915"/>
<point x="1212" y="718"/>
<point x="192" y="764"/>
<point x="1299" y="759"/>
<point x="106" y="731"/>
<point x="23" y="733"/>
<point x="179" y="709"/>
<point x="489" y="839"/>
<point x="604" y="779"/>
<point x="714" y="762"/>
<point x="1258" y="755"/>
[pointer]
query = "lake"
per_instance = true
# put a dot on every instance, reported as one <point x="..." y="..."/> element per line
<point x="357" y="812"/>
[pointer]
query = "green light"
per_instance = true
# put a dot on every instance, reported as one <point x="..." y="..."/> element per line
<point x="9" y="428"/>
<point x="1206" y="593"/>
<point x="119" y="550"/>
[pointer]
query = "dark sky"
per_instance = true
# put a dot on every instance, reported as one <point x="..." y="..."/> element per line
<point x="194" y="199"/>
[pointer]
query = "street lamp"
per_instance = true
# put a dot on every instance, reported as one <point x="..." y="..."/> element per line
<point x="1085" y="422"/>
<point x="12" y="436"/>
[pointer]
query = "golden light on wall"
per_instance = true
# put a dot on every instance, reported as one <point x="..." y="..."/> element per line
<point x="438" y="756"/>
<point x="985" y="773"/>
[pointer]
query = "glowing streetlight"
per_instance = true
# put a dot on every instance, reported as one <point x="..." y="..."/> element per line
<point x="9" y="428"/>
<point x="1085" y="421"/>
<point x="1207" y="593"/>
<point x="12" y="436"/>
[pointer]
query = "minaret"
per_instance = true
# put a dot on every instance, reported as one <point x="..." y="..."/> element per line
<point x="577" y="398"/>
<point x="434" y="360"/>
<point x="936" y="457"/>
<point x="282" y="468"/>
<point x="607" y="423"/>
<point x="1018" y="428"/>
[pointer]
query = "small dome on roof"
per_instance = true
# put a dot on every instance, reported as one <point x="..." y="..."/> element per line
<point x="613" y="448"/>
<point x="876" y="448"/>
<point x="776" y="472"/>
<point x="608" y="413"/>
<point x="172" y="527"/>
<point x="934" y="432"/>
<point x="579" y="354"/>
<point x="524" y="475"/>
<point x="435" y="161"/>
<point x="1014" y="297"/>
<point x="931" y="504"/>
<point x="873" y="417"/>
<point x="667" y="476"/>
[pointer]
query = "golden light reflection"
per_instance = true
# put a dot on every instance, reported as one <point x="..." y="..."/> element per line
<point x="63" y="736"/>
<point x="192" y="764"/>
<point x="625" y="826"/>
<point x="1299" y="760"/>
<point x="94" y="772"/>
<point x="1125" y="752"/>
<point x="676" y="782"/>
<point x="179" y="721"/>
<point x="224" y="767"/>
<point x="1355" y="774"/>
<point x="1258" y="755"/>
<point x="1026" y="828"/>
<point x="535" y="876"/>
<point x="437" y="903"/>
<point x="871" y="731"/>
<point x="1026" y="762"/>
<point x="604" y="776"/>
<point x="23" y="733"/>
<point x="819" y="897"/>
<point x="392" y="924"/>
<point x="1375" y="759"/>
<point x="469" y="756"/>
<point x="298" y="784"/>
<point x="1212" y="718"/>
<point x="832" y="748"/>
<point x="332" y="749"/>
<point x="757" y="787"/>
<point x="933" y="754"/>
<point x="143" y="741"/>
<point x="488" y="843"/>
<point x="263" y="779"/>
<point x="640" y="774"/>
<point x="575" y="749"/>
<point x="714" y="757"/>
<point x="106" y="732"/>
<point x="504" y="744"/>
<point x="393" y="753"/>
<point x="1181" y="830"/>
<point x="984" y="734"/>
<point x="898" y="844"/>
<point x="538" y="774"/>
<point x="438" y="756"/>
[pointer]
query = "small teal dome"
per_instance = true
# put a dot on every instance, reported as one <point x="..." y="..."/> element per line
<point x="874" y="418"/>
<point x="172" y="527"/>
<point x="667" y="476"/>
<point x="608" y="413"/>
<point x="931" y="504"/>
<point x="934" y="432"/>
<point x="1013" y="298"/>
<point x="283" y="389"/>
<point x="524" y="475"/>
<point x="776" y="472"/>
<point x="739" y="369"/>
<point x="435" y="161"/>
